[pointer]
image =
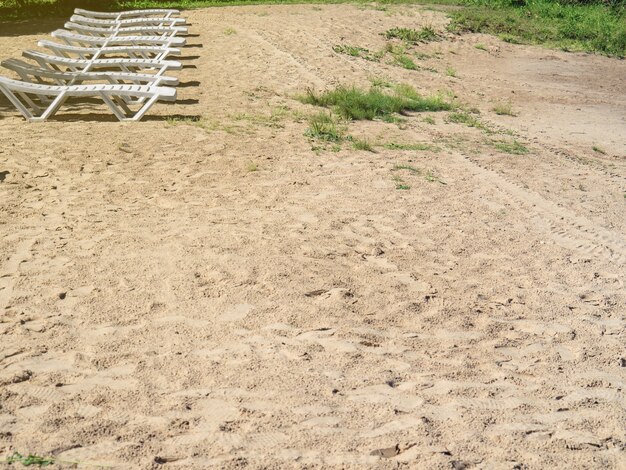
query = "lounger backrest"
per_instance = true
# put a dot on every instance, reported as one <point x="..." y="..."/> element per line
<point x="111" y="49"/>
<point x="25" y="68"/>
<point x="89" y="90"/>
<point x="126" y="14"/>
<point x="107" y="31"/>
<point x="128" y="22"/>
<point x="40" y="56"/>
<point x="73" y="37"/>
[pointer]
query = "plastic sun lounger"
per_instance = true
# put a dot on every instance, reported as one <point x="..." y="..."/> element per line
<point x="135" y="52"/>
<point x="158" y="31"/>
<point x="35" y="74"/>
<point x="61" y="64"/>
<point x="111" y="94"/>
<point x="86" y="41"/>
<point x="148" y="21"/>
<point x="118" y="15"/>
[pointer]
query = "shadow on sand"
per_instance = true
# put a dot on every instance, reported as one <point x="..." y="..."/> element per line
<point x="31" y="27"/>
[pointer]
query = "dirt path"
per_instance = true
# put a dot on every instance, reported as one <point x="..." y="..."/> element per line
<point x="210" y="288"/>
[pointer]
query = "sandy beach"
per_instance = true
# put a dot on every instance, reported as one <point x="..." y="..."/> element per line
<point x="212" y="288"/>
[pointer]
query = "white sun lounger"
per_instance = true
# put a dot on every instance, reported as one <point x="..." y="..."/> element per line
<point x="90" y="41"/>
<point x="158" y="31"/>
<point x="118" y="15"/>
<point x="20" y="93"/>
<point x="62" y="64"/>
<point x="134" y="52"/>
<point x="35" y="74"/>
<point x="148" y="21"/>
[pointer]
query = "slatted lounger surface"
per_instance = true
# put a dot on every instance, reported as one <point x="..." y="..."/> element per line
<point x="35" y="73"/>
<point x="159" y="67"/>
<point x="159" y="31"/>
<point x="82" y="40"/>
<point x="117" y="15"/>
<point x="111" y="94"/>
<point x="134" y="52"/>
<point x="153" y="21"/>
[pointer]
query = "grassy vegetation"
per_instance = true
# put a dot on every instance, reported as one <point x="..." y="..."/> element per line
<point x="450" y="72"/>
<point x="356" y="51"/>
<point x="586" y="25"/>
<point x="429" y="176"/>
<point x="402" y="55"/>
<point x="362" y="144"/>
<point x="463" y="117"/>
<point x="353" y="103"/>
<point x="503" y="109"/>
<point x="514" y="147"/>
<point x="28" y="460"/>
<point x="323" y="126"/>
<point x="412" y="36"/>
<point x="404" y="61"/>
<point x="418" y="146"/>
<point x="187" y="120"/>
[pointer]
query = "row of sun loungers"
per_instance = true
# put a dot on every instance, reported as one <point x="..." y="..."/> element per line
<point x="120" y="57"/>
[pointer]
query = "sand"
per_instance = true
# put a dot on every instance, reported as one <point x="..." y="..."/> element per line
<point x="227" y="293"/>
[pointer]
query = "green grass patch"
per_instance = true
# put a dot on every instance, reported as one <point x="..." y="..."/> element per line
<point x="356" y="51"/>
<point x="413" y="36"/>
<point x="598" y="150"/>
<point x="197" y="121"/>
<point x="361" y="144"/>
<point x="404" y="61"/>
<point x="463" y="117"/>
<point x="323" y="126"/>
<point x="503" y="109"/>
<point x="28" y="460"/>
<point x="481" y="47"/>
<point x="380" y="82"/>
<point x="514" y="147"/>
<point x="593" y="26"/>
<point x="353" y="103"/>
<point x="400" y="57"/>
<point x="450" y="72"/>
<point x="432" y="177"/>
<point x="410" y="168"/>
<point x="414" y="147"/>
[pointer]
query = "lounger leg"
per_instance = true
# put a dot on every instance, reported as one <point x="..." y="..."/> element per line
<point x="114" y="107"/>
<point x="30" y="102"/>
<point x="130" y="116"/>
<point x="144" y="109"/>
<point x="59" y="100"/>
<point x="17" y="103"/>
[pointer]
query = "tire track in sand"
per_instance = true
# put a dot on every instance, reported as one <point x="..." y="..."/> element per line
<point x="564" y="227"/>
